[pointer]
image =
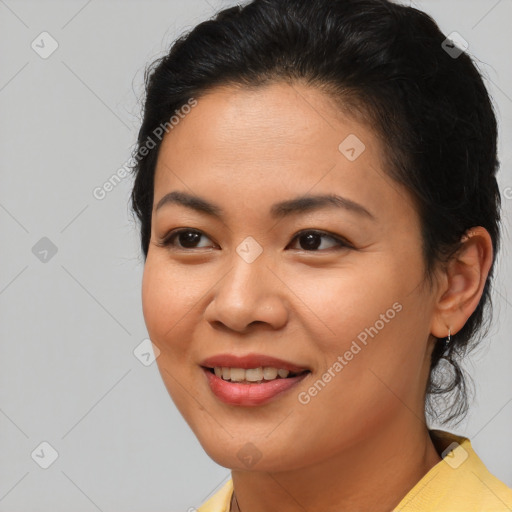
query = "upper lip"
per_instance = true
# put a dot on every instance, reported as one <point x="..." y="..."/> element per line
<point x="250" y="361"/>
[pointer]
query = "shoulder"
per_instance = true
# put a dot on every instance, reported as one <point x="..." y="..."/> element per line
<point x="220" y="501"/>
<point x="460" y="482"/>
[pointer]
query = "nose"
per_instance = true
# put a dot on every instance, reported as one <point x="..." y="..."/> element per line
<point x="249" y="293"/>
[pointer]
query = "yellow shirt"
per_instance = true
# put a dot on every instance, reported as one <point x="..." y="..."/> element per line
<point x="458" y="483"/>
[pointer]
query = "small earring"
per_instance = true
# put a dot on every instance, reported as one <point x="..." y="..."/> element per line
<point x="448" y="339"/>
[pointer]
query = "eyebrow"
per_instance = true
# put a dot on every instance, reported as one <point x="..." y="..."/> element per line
<point x="298" y="205"/>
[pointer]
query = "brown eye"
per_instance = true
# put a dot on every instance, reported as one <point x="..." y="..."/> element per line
<point x="183" y="239"/>
<point x="312" y="241"/>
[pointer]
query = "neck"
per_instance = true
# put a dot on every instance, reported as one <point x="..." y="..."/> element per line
<point x="373" y="474"/>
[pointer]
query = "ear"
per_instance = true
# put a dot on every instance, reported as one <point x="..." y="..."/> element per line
<point x="463" y="280"/>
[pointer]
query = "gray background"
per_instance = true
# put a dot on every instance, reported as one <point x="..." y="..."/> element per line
<point x="70" y="323"/>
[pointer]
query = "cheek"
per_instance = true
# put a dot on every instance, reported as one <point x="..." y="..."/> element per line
<point x="168" y="295"/>
<point x="165" y="317"/>
<point x="369" y="319"/>
<point x="349" y="304"/>
<point x="165" y="303"/>
<point x="156" y="307"/>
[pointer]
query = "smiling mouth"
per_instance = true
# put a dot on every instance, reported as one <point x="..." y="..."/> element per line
<point x="253" y="375"/>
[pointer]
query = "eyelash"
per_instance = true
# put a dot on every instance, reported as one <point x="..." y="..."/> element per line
<point x="169" y="240"/>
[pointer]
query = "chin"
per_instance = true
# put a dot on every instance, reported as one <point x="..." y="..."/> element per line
<point x="249" y="453"/>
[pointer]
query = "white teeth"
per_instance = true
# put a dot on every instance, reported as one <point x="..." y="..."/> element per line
<point x="254" y="374"/>
<point x="237" y="374"/>
<point x="270" y="373"/>
<point x="250" y="374"/>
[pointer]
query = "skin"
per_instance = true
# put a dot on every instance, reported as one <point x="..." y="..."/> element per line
<point x="361" y="443"/>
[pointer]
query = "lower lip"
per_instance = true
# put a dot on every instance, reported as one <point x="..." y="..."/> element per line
<point x="234" y="393"/>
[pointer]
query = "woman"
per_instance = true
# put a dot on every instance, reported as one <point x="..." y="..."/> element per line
<point x="309" y="369"/>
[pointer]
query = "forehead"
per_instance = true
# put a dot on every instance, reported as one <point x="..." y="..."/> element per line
<point x="265" y="142"/>
<point x="278" y="120"/>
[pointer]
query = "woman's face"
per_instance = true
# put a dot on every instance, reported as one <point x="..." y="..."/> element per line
<point x="332" y="287"/>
